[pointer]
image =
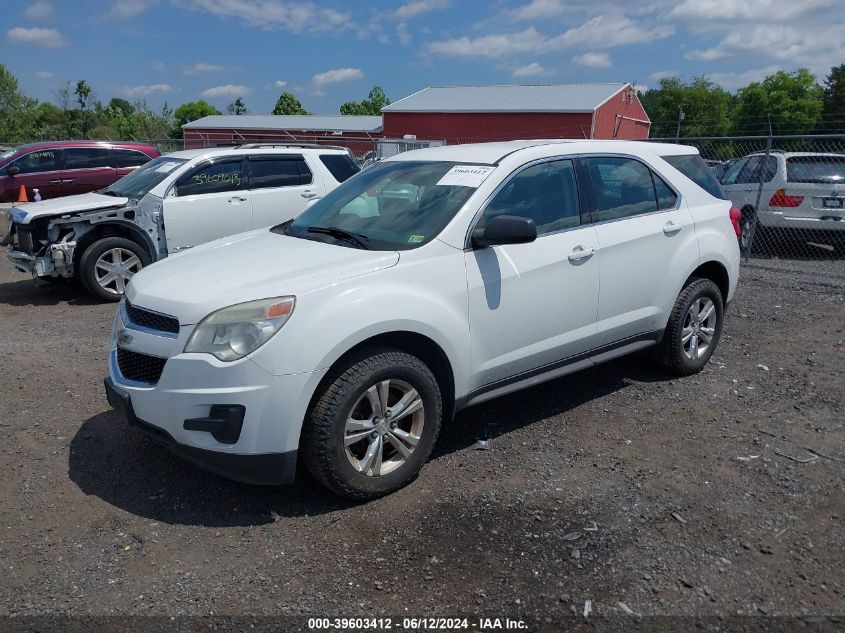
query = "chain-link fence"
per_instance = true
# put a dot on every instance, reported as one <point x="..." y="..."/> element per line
<point x="790" y="191"/>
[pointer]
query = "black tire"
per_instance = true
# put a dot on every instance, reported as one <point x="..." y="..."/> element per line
<point x="749" y="229"/>
<point x="322" y="446"/>
<point x="87" y="264"/>
<point x="670" y="353"/>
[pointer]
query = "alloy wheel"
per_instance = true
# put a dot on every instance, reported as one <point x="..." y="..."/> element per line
<point x="114" y="268"/>
<point x="699" y="328"/>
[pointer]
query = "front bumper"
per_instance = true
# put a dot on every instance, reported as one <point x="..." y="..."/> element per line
<point x="22" y="261"/>
<point x="261" y="468"/>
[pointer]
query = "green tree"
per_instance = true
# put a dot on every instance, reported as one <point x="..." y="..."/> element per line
<point x="833" y="101"/>
<point x="237" y="107"/>
<point x="191" y="111"/>
<point x="793" y="101"/>
<point x="87" y="102"/>
<point x="48" y="121"/>
<point x="151" y="125"/>
<point x="372" y="105"/>
<point x="121" y="104"/>
<point x="706" y="108"/>
<point x="287" y="103"/>
<point x="15" y="109"/>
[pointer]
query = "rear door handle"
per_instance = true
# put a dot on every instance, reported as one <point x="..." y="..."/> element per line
<point x="55" y="182"/>
<point x="308" y="194"/>
<point x="236" y="199"/>
<point x="672" y="227"/>
<point x="68" y="180"/>
<point x="579" y="252"/>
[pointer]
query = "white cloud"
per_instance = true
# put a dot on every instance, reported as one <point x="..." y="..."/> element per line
<point x="419" y="7"/>
<point x="48" y="38"/>
<point x="280" y="84"/>
<point x="202" y="68"/>
<point x="593" y="60"/>
<point x="403" y="34"/>
<point x="143" y="91"/>
<point x="44" y="74"/>
<point x="40" y="10"/>
<point x="229" y="90"/>
<point x="753" y="10"/>
<point x="125" y="9"/>
<point x="336" y="75"/>
<point x="640" y="87"/>
<point x="531" y="70"/>
<point x="605" y="31"/>
<point x="538" y="10"/>
<point x="159" y="66"/>
<point x="662" y="74"/>
<point x="269" y="14"/>
<point x="735" y="80"/>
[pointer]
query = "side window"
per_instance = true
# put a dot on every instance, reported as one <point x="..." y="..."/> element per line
<point x="730" y="177"/>
<point x="546" y="193"/>
<point x="274" y="171"/>
<point x="340" y="166"/>
<point x="622" y="188"/>
<point x="771" y="169"/>
<point x="34" y="162"/>
<point x="305" y="173"/>
<point x="122" y="158"/>
<point x="212" y="178"/>
<point x="666" y="198"/>
<point x="750" y="172"/>
<point x="86" y="157"/>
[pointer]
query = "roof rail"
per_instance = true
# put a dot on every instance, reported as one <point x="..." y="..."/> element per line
<point x="283" y="144"/>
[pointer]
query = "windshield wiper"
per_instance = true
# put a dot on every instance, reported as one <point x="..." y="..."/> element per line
<point x="362" y="241"/>
<point x="109" y="192"/>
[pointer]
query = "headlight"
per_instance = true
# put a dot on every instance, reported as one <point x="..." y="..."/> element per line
<point x="232" y="333"/>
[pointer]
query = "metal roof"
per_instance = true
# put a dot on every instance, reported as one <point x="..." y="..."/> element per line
<point x="559" y="98"/>
<point x="299" y="122"/>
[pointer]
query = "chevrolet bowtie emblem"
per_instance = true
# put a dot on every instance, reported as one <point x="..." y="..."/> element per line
<point x="124" y="337"/>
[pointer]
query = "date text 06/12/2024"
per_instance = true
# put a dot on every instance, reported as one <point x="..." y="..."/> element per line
<point x="416" y="624"/>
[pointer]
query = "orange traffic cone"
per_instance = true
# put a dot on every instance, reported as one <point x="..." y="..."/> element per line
<point x="22" y="195"/>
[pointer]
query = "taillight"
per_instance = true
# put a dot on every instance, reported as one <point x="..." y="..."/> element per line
<point x="780" y="199"/>
<point x="736" y="220"/>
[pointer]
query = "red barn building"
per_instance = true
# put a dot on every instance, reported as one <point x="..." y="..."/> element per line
<point x="358" y="133"/>
<point x="472" y="114"/>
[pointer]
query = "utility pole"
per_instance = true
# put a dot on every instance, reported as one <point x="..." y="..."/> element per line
<point x="681" y="117"/>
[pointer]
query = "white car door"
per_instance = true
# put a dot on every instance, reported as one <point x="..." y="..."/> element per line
<point x="208" y="202"/>
<point x="646" y="234"/>
<point x="533" y="305"/>
<point x="282" y="186"/>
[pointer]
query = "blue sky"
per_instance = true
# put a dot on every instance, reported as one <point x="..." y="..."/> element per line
<point x="333" y="51"/>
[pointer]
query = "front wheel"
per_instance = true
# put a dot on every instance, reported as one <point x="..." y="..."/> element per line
<point x="693" y="330"/>
<point x="108" y="264"/>
<point x="373" y="425"/>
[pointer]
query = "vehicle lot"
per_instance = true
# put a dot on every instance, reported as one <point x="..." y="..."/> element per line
<point x="99" y="520"/>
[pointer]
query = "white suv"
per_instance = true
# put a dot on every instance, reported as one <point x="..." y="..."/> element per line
<point x="432" y="281"/>
<point x="168" y="205"/>
<point x="802" y="193"/>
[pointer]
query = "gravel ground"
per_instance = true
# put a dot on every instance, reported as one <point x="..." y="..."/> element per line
<point x="613" y="485"/>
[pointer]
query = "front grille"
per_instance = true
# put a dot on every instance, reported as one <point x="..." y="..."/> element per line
<point x="139" y="367"/>
<point x="152" y="320"/>
<point x="26" y="240"/>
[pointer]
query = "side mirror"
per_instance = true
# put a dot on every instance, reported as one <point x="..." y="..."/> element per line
<point x="505" y="229"/>
<point x="14" y="170"/>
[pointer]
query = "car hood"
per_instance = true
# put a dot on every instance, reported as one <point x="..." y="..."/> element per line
<point x="60" y="206"/>
<point x="244" y="267"/>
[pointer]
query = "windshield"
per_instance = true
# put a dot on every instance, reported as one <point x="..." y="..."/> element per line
<point x="137" y="183"/>
<point x="693" y="167"/>
<point x="395" y="205"/>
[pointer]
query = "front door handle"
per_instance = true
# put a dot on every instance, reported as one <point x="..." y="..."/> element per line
<point x="55" y="182"/>
<point x="237" y="199"/>
<point x="308" y="194"/>
<point x="672" y="227"/>
<point x="67" y="180"/>
<point x="579" y="252"/>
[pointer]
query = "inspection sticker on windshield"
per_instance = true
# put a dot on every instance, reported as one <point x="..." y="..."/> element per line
<point x="466" y="175"/>
<point x="166" y="167"/>
<point x="416" y="239"/>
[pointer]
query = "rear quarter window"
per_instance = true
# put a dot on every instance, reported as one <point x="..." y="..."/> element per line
<point x="340" y="166"/>
<point x="693" y="167"/>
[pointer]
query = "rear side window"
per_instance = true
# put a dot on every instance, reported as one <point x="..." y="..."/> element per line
<point x="86" y="157"/>
<point x="693" y="167"/>
<point x="277" y="171"/>
<point x="128" y="158"/>
<point x="622" y="188"/>
<point x="815" y="169"/>
<point x="34" y="162"/>
<point x="212" y="178"/>
<point x="341" y="166"/>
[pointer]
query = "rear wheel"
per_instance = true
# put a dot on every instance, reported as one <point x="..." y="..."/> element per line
<point x="373" y="425"/>
<point x="693" y="330"/>
<point x="108" y="264"/>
